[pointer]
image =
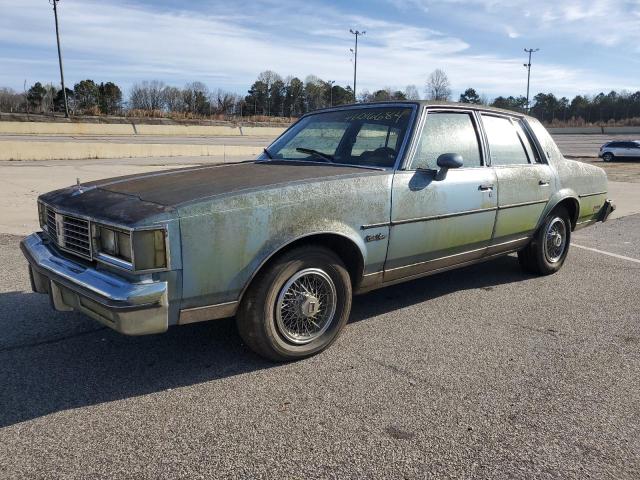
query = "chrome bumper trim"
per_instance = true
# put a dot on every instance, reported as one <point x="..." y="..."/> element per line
<point x="208" y="312"/>
<point x="130" y="308"/>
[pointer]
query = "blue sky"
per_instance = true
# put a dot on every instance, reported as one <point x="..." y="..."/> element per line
<point x="585" y="46"/>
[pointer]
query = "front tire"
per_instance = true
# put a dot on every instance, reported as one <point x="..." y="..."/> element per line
<point x="550" y="244"/>
<point x="297" y="305"/>
<point x="607" y="157"/>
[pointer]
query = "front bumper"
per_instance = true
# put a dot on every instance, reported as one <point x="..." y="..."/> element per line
<point x="132" y="308"/>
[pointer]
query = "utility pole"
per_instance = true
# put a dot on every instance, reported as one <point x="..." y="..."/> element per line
<point x="528" y="66"/>
<point x="331" y="82"/>
<point x="355" y="62"/>
<point x="64" y="90"/>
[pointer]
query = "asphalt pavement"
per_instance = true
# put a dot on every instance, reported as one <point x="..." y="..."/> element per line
<point x="586" y="145"/>
<point x="485" y="372"/>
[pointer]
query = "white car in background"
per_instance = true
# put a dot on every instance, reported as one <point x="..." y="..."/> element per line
<point x="619" y="149"/>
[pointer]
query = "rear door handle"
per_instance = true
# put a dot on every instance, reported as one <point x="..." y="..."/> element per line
<point x="543" y="183"/>
<point x="485" y="187"/>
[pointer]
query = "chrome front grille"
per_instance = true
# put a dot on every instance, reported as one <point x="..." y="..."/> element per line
<point x="76" y="236"/>
<point x="52" y="227"/>
<point x="72" y="234"/>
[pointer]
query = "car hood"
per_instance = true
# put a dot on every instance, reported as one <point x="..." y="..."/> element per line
<point x="132" y="198"/>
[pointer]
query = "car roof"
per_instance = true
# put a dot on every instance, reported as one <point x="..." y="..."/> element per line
<point x="426" y="103"/>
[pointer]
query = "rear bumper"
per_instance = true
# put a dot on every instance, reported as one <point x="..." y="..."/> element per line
<point x="606" y="210"/>
<point x="132" y="308"/>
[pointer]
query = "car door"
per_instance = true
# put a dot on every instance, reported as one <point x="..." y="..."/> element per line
<point x="631" y="149"/>
<point x="441" y="218"/>
<point x="621" y="149"/>
<point x="525" y="183"/>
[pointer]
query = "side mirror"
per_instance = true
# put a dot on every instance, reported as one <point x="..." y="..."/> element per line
<point x="450" y="160"/>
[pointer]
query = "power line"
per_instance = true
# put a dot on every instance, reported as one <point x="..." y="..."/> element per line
<point x="64" y="90"/>
<point x="355" y="62"/>
<point x="528" y="66"/>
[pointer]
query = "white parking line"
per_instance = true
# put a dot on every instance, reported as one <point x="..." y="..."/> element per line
<point x="635" y="260"/>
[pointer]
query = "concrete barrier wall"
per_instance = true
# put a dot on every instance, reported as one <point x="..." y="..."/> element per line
<point x="14" y="150"/>
<point x="50" y="128"/>
<point x="576" y="131"/>
<point x="622" y="130"/>
<point x="595" y="131"/>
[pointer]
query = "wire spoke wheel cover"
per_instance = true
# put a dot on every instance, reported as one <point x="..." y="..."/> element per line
<point x="555" y="241"/>
<point x="306" y="306"/>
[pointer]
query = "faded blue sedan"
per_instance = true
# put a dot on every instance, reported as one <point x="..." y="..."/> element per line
<point x="347" y="200"/>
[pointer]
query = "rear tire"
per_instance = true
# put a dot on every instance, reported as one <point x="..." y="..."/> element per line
<point x="550" y="244"/>
<point x="607" y="157"/>
<point x="297" y="305"/>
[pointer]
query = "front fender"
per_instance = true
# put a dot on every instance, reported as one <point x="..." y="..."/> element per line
<point x="287" y="239"/>
<point x="226" y="241"/>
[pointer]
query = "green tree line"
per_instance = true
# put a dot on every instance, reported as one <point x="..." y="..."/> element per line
<point x="273" y="95"/>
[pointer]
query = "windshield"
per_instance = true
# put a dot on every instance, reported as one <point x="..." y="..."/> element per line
<point x="356" y="136"/>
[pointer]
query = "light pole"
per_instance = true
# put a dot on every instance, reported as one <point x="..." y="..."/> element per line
<point x="331" y="82"/>
<point x="64" y="90"/>
<point x="528" y="66"/>
<point x="355" y="62"/>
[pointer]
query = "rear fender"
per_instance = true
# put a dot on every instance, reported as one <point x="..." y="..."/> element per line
<point x="565" y="195"/>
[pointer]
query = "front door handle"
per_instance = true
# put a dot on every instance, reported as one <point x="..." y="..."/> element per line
<point x="543" y="183"/>
<point x="486" y="187"/>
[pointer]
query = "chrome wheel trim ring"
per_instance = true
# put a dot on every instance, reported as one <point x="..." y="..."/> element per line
<point x="306" y="306"/>
<point x="555" y="240"/>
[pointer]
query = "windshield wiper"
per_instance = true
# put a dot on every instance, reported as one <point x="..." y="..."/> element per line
<point x="325" y="156"/>
<point x="266" y="152"/>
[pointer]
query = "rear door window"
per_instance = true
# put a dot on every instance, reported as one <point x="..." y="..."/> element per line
<point x="505" y="145"/>
<point x="447" y="132"/>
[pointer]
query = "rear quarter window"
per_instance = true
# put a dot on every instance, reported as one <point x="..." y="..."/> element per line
<point x="549" y="147"/>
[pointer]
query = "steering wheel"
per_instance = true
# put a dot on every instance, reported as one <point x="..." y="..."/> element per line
<point x="383" y="156"/>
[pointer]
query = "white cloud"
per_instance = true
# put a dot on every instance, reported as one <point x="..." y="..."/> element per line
<point x="602" y="22"/>
<point x="228" y="44"/>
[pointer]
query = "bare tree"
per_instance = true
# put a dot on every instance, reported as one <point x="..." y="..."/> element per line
<point x="172" y="98"/>
<point x="147" y="95"/>
<point x="49" y="97"/>
<point x="411" y="92"/>
<point x="437" y="87"/>
<point x="223" y="101"/>
<point x="11" y="101"/>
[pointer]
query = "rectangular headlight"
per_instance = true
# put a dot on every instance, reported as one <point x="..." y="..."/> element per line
<point x="149" y="249"/>
<point x="113" y="242"/>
